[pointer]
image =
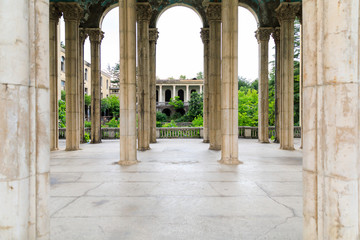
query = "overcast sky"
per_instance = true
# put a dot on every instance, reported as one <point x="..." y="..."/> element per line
<point x="179" y="47"/>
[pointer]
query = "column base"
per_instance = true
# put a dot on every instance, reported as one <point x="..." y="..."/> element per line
<point x="72" y="149"/>
<point x="54" y="149"/>
<point x="153" y="141"/>
<point x="206" y="141"/>
<point x="127" y="162"/>
<point x="143" y="148"/>
<point x="287" y="148"/>
<point x="214" y="147"/>
<point x="95" y="142"/>
<point x="276" y="140"/>
<point x="230" y="161"/>
<point x="263" y="141"/>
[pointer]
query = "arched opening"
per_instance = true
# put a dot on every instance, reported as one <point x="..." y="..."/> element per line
<point x="167" y="95"/>
<point x="181" y="111"/>
<point x="167" y="112"/>
<point x="157" y="96"/>
<point x="181" y="94"/>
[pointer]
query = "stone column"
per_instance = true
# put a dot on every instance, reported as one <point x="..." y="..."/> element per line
<point x="95" y="36"/>
<point x="160" y="94"/>
<point x="127" y="29"/>
<point x="55" y="14"/>
<point x="153" y="36"/>
<point x="213" y="12"/>
<point x="187" y="93"/>
<point x="331" y="119"/>
<point x="82" y="37"/>
<point x="174" y="92"/>
<point x="143" y="11"/>
<point x="286" y="14"/>
<point x="24" y="120"/>
<point x="229" y="82"/>
<point x="205" y="38"/>
<point x="263" y="35"/>
<point x="276" y="36"/>
<point x="301" y="114"/>
<point x="72" y="13"/>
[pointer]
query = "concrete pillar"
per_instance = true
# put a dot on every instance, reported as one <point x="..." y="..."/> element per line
<point x="187" y="93"/>
<point x="24" y="120"/>
<point x="331" y="119"/>
<point x="55" y="14"/>
<point x="143" y="13"/>
<point x="263" y="35"/>
<point x="82" y="37"/>
<point x="127" y="29"/>
<point x="213" y="12"/>
<point x="72" y="13"/>
<point x="174" y="92"/>
<point x="276" y="36"/>
<point x="229" y="83"/>
<point x="205" y="38"/>
<point x="160" y="94"/>
<point x="95" y="36"/>
<point x="286" y="14"/>
<point x="153" y="36"/>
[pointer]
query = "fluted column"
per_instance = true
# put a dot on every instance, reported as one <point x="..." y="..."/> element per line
<point x="95" y="36"/>
<point x="331" y="119"/>
<point x="127" y="29"/>
<point x="276" y="36"/>
<point x="153" y="36"/>
<point x="263" y="36"/>
<point x="82" y="37"/>
<point x="24" y="120"/>
<point x="143" y="13"/>
<point x="229" y="82"/>
<point x="205" y="38"/>
<point x="213" y="12"/>
<point x="72" y="13"/>
<point x="55" y="14"/>
<point x="286" y="14"/>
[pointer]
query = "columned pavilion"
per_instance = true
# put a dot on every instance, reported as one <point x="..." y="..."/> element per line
<point x="330" y="90"/>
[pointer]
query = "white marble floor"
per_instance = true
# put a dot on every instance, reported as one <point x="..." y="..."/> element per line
<point x="177" y="191"/>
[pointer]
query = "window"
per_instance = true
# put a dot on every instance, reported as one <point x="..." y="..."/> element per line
<point x="62" y="83"/>
<point x="63" y="64"/>
<point x="167" y="95"/>
<point x="86" y="74"/>
<point x="181" y="94"/>
<point x="86" y="91"/>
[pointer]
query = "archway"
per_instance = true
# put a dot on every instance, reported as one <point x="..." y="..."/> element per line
<point x="167" y="95"/>
<point x="181" y="94"/>
<point x="167" y="112"/>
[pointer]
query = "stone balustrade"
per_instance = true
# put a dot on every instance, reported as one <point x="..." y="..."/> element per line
<point x="184" y="132"/>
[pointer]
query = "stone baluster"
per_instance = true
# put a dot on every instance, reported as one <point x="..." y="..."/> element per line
<point x="263" y="36"/>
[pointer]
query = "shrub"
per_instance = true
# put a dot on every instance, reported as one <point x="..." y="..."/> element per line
<point x="198" y="121"/>
<point x="158" y="124"/>
<point x="170" y="124"/>
<point x="87" y="124"/>
<point x="161" y="117"/>
<point x="113" y="123"/>
<point x="86" y="137"/>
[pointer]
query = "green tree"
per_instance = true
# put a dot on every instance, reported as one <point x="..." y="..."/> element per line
<point x="183" y="77"/>
<point x="161" y="117"/>
<point x="105" y="105"/>
<point x="248" y="108"/>
<point x="199" y="75"/>
<point x="243" y="83"/>
<point x="63" y="95"/>
<point x="87" y="100"/>
<point x="114" y="72"/>
<point x="176" y="103"/>
<point x="195" y="106"/>
<point x="114" y="108"/>
<point x="62" y="113"/>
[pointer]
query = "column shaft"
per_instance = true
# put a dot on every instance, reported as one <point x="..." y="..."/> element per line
<point x="160" y="94"/>
<point x="286" y="19"/>
<point x="82" y="36"/>
<point x="331" y="119"/>
<point x="72" y="14"/>
<point x="263" y="36"/>
<point x="229" y="82"/>
<point x="153" y="36"/>
<point x="143" y="11"/>
<point x="276" y="37"/>
<point x="205" y="38"/>
<point x="96" y="36"/>
<point x="214" y="16"/>
<point x="127" y="13"/>
<point x="53" y="49"/>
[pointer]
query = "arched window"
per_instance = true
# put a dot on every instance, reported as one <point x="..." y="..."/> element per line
<point x="86" y="74"/>
<point x="157" y="96"/>
<point x="167" y="95"/>
<point x="181" y="94"/>
<point x="167" y="112"/>
<point x="63" y="63"/>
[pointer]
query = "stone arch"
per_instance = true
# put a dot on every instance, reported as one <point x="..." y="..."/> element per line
<point x="107" y="10"/>
<point x="181" y="94"/>
<point x="167" y="95"/>
<point x="246" y="6"/>
<point x="167" y="111"/>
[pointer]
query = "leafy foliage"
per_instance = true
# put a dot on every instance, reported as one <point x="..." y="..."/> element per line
<point x="170" y="124"/>
<point x="195" y="106"/>
<point x="199" y="75"/>
<point x="87" y="124"/>
<point x="62" y="114"/>
<point x="87" y="100"/>
<point x="176" y="103"/>
<point x="183" y="77"/>
<point x="248" y="107"/>
<point x="63" y="95"/>
<point x="198" y="121"/>
<point x="110" y="105"/>
<point x="161" y="117"/>
<point x="114" y="72"/>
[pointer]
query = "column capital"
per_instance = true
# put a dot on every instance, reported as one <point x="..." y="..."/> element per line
<point x="299" y="14"/>
<point x="83" y="35"/>
<point x="205" y="35"/>
<point x="287" y="11"/>
<point x="95" y="34"/>
<point x="276" y="35"/>
<point x="153" y="35"/>
<point x="143" y="12"/>
<point x="54" y="12"/>
<point x="71" y="11"/>
<point x="263" y="34"/>
<point x="213" y="11"/>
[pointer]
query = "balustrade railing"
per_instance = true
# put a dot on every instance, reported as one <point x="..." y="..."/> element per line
<point x="183" y="132"/>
